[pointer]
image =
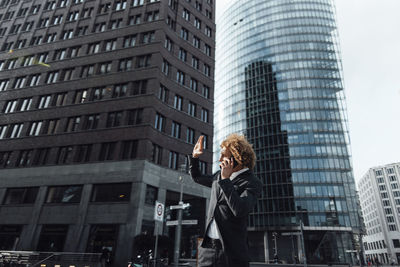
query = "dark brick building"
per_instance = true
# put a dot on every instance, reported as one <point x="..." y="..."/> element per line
<point x="100" y="102"/>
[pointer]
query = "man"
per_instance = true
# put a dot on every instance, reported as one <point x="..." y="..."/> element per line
<point x="234" y="191"/>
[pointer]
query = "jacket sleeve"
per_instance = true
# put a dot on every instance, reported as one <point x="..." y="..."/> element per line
<point x="196" y="174"/>
<point x="242" y="204"/>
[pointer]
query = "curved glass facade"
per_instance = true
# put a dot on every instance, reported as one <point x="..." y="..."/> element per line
<point x="279" y="81"/>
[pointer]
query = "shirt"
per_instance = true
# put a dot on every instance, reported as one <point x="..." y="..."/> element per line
<point x="213" y="230"/>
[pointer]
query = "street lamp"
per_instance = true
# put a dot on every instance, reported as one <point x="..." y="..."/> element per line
<point x="178" y="229"/>
<point x="274" y="234"/>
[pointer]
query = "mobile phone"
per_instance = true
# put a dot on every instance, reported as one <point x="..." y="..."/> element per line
<point x="234" y="162"/>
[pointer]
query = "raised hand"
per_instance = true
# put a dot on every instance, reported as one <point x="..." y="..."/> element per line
<point x="198" y="148"/>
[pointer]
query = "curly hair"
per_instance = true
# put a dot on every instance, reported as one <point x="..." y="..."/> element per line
<point x="240" y="149"/>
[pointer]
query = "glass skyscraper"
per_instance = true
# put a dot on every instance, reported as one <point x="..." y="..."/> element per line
<point x="279" y="81"/>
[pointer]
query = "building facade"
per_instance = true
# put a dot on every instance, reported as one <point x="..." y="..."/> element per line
<point x="100" y="103"/>
<point x="279" y="81"/>
<point x="380" y="203"/>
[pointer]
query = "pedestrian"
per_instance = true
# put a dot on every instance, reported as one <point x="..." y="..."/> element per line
<point x="234" y="192"/>
<point x="105" y="257"/>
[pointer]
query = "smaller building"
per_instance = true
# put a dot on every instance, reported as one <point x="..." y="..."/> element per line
<point x="380" y="204"/>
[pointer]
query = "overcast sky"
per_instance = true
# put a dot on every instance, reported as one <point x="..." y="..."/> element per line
<point x="369" y="32"/>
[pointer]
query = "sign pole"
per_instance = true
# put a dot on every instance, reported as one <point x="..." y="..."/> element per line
<point x="178" y="229"/>
<point x="158" y="217"/>
<point x="155" y="246"/>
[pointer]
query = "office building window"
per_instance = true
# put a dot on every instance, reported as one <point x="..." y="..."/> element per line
<point x="120" y="5"/>
<point x="15" y="130"/>
<point x="98" y="93"/>
<point x="64" y="194"/>
<point x="186" y="14"/>
<point x="207" y="50"/>
<point x="205" y="141"/>
<point x="180" y="77"/>
<point x="10" y="106"/>
<point x="151" y="16"/>
<point x="4" y="84"/>
<point x="125" y="64"/>
<point x="64" y="154"/>
<point x="157" y="154"/>
<point x="193" y="84"/>
<point x="24" y="158"/>
<point x="148" y="37"/>
<point x="117" y="192"/>
<point x="129" y="149"/>
<point x="114" y="119"/>
<point x="135" y="116"/>
<point x="52" y="237"/>
<point x="190" y="135"/>
<point x="197" y="23"/>
<point x="110" y="45"/>
<point x="204" y="115"/>
<point x="105" y="67"/>
<point x="195" y="63"/>
<point x="25" y="195"/>
<point x="4" y="155"/>
<point x="207" y="70"/>
<point x="80" y="96"/>
<point x="208" y="31"/>
<point x="107" y="151"/>
<point x="184" y="34"/>
<point x="84" y="152"/>
<point x="163" y="94"/>
<point x="165" y="67"/>
<point x="91" y="122"/>
<point x="206" y="91"/>
<point x="40" y="157"/>
<point x="137" y="3"/>
<point x="60" y="99"/>
<point x="134" y="20"/>
<point x="173" y="161"/>
<point x="192" y="109"/>
<point x="151" y="195"/>
<point x="51" y="126"/>
<point x="139" y="87"/>
<point x="143" y="61"/>
<point x="87" y="71"/>
<point x="19" y="82"/>
<point x="159" y="123"/>
<point x="182" y="54"/>
<point x="176" y="130"/>
<point x="168" y="44"/>
<point x="178" y="102"/>
<point x="130" y="41"/>
<point x="35" y="128"/>
<point x="73" y="124"/>
<point x="119" y="90"/>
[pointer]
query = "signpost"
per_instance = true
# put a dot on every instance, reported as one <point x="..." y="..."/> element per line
<point x="159" y="211"/>
<point x="291" y="233"/>
<point x="158" y="216"/>
<point x="184" y="222"/>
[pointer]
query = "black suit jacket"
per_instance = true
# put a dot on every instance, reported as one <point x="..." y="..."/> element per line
<point x="230" y="204"/>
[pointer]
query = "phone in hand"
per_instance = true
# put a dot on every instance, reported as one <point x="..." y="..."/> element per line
<point x="234" y="162"/>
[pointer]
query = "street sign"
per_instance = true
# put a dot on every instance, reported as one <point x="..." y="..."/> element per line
<point x="180" y="206"/>
<point x="159" y="211"/>
<point x="351" y="251"/>
<point x="184" y="222"/>
<point x="291" y="233"/>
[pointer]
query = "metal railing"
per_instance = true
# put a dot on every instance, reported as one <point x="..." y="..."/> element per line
<point x="48" y="259"/>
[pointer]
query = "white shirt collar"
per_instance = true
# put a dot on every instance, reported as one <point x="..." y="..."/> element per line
<point x="235" y="174"/>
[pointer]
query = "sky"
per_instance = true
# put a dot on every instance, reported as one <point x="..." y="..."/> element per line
<point x="369" y="34"/>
